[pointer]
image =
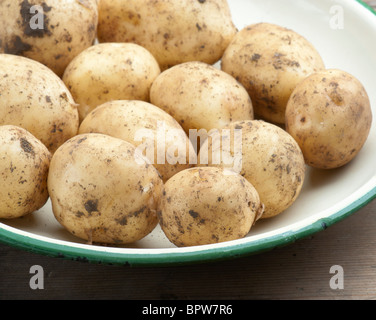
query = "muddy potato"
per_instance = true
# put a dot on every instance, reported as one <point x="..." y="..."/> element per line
<point x="153" y="131"/>
<point x="270" y="61"/>
<point x="52" y="32"/>
<point x="329" y="115"/>
<point x="24" y="163"/>
<point x="199" y="96"/>
<point x="208" y="205"/>
<point x="173" y="31"/>
<point x="263" y="153"/>
<point x="103" y="191"/>
<point x="36" y="99"/>
<point x="110" y="71"/>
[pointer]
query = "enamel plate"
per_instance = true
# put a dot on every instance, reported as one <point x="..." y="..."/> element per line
<point x="344" y="32"/>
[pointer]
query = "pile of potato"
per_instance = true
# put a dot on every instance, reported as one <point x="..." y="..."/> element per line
<point x="140" y="129"/>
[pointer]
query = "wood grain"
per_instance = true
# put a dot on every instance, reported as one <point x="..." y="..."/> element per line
<point x="298" y="271"/>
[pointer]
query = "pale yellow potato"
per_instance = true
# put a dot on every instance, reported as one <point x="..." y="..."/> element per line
<point x="199" y="96"/>
<point x="173" y="31"/>
<point x="153" y="131"/>
<point x="270" y="60"/>
<point x="329" y="115"/>
<point x="203" y="206"/>
<point x="266" y="155"/>
<point x="36" y="99"/>
<point x="101" y="192"/>
<point x="53" y="33"/>
<point x="24" y="164"/>
<point x="110" y="71"/>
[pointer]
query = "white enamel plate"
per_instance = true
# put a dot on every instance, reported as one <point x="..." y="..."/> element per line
<point x="346" y="42"/>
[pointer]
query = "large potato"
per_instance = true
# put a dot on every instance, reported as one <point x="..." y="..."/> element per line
<point x="329" y="115"/>
<point x="270" y="61"/>
<point x="149" y="128"/>
<point x="173" y="31"/>
<point x="199" y="96"/>
<point x="110" y="71"/>
<point x="52" y="32"/>
<point x="208" y="205"/>
<point x="266" y="155"/>
<point x="101" y="193"/>
<point x="36" y="99"/>
<point x="24" y="164"/>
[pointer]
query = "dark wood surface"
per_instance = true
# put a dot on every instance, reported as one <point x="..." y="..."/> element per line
<point x="298" y="271"/>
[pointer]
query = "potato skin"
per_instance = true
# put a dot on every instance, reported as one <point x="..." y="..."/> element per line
<point x="270" y="61"/>
<point x="110" y="71"/>
<point x="100" y="193"/>
<point x="173" y="31"/>
<point x="199" y="96"/>
<point x="329" y="115"/>
<point x="24" y="164"/>
<point x="207" y="205"/>
<point x="271" y="161"/>
<point x="62" y="37"/>
<point x="125" y="119"/>
<point x="36" y="99"/>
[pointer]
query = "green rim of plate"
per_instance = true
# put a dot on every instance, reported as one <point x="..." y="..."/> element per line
<point x="364" y="4"/>
<point x="69" y="252"/>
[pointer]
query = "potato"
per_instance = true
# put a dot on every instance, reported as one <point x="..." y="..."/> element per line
<point x="266" y="155"/>
<point x="199" y="96"/>
<point x="24" y="164"/>
<point x="270" y="61"/>
<point x="208" y="205"/>
<point x="52" y="32"/>
<point x="153" y="131"/>
<point x="110" y="71"/>
<point x="101" y="193"/>
<point x="173" y="31"/>
<point x="36" y="99"/>
<point x="329" y="115"/>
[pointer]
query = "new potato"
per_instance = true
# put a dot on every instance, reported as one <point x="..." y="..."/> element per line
<point x="147" y="127"/>
<point x="270" y="61"/>
<point x="24" y="164"/>
<point x="110" y="71"/>
<point x="173" y="31"/>
<point x="329" y="115"/>
<point x="208" y="205"/>
<point x="101" y="193"/>
<point x="52" y="32"/>
<point x="199" y="96"/>
<point x="266" y="155"/>
<point x="36" y="99"/>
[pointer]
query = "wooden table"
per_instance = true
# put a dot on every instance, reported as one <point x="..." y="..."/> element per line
<point x="298" y="271"/>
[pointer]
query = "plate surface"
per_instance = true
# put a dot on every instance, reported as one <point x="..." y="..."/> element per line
<point x="343" y="31"/>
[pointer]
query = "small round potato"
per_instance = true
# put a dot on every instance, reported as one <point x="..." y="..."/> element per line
<point x="266" y="155"/>
<point x="52" y="32"/>
<point x="153" y="131"/>
<point x="173" y="31"/>
<point x="199" y="96"/>
<point x="270" y="61"/>
<point x="208" y="205"/>
<point x="36" y="99"/>
<point x="101" y="193"/>
<point x="110" y="71"/>
<point x="329" y="115"/>
<point x="24" y="164"/>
